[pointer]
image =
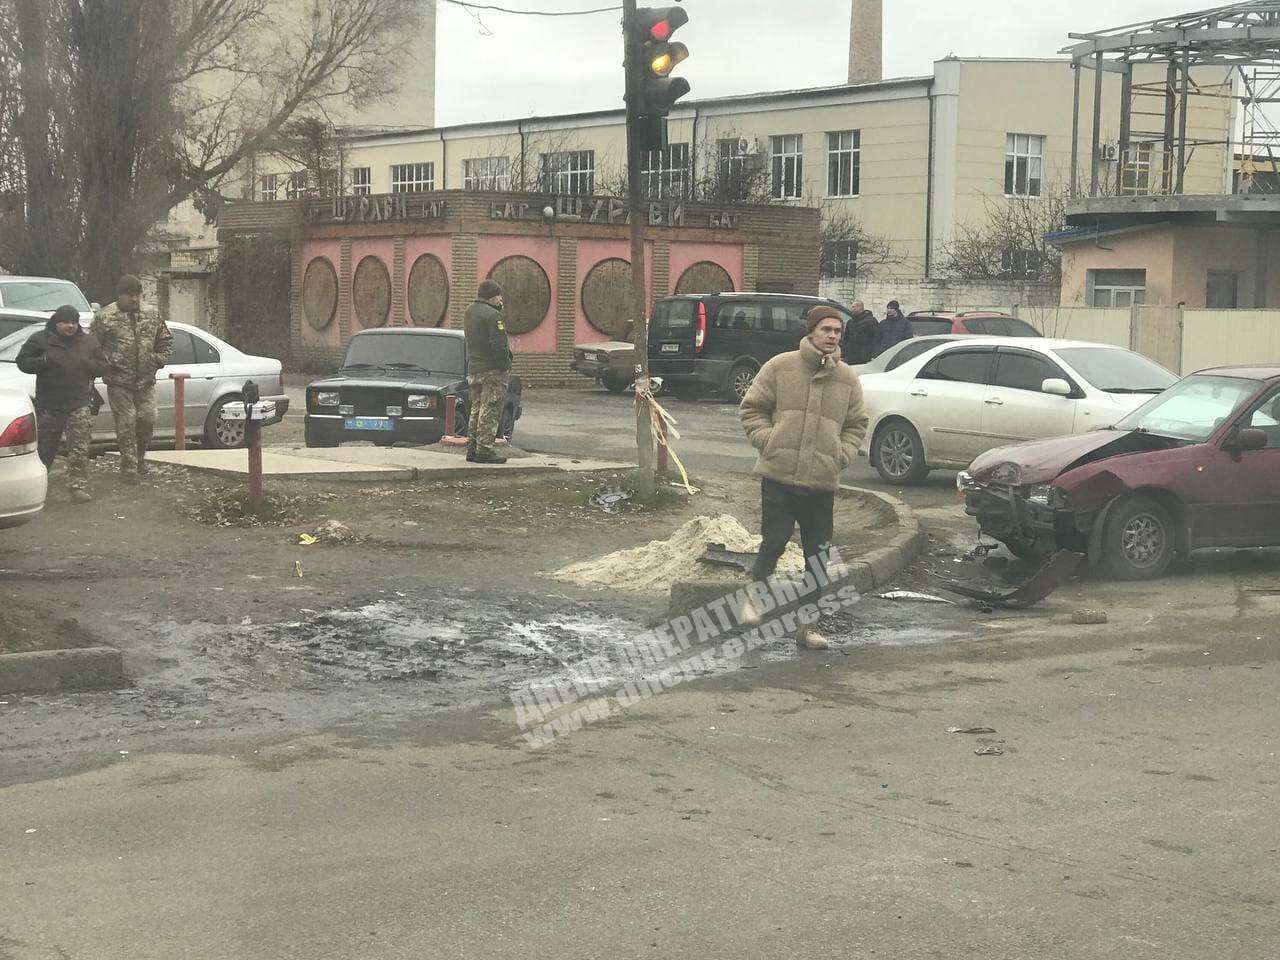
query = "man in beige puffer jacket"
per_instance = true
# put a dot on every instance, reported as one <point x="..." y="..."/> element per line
<point x="804" y="415"/>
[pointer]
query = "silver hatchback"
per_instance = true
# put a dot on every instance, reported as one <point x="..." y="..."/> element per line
<point x="216" y="371"/>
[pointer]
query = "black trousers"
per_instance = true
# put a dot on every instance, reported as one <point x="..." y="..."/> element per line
<point x="783" y="507"/>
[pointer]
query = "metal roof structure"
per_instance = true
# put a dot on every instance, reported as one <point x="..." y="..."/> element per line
<point x="1243" y="37"/>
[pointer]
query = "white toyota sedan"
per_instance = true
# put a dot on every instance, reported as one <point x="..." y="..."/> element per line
<point x="23" y="481"/>
<point x="948" y="404"/>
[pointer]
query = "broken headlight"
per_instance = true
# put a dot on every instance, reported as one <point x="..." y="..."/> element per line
<point x="965" y="481"/>
<point x="1047" y="495"/>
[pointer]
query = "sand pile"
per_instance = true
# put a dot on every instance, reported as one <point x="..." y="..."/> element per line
<point x="659" y="563"/>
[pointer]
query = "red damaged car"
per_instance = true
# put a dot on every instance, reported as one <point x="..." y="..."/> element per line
<point x="1196" y="466"/>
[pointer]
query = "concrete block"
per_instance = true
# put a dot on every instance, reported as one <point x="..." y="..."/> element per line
<point x="52" y="671"/>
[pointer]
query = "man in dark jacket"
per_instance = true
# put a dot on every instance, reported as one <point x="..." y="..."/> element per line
<point x="488" y="365"/>
<point x="861" y="336"/>
<point x="65" y="360"/>
<point x="894" y="328"/>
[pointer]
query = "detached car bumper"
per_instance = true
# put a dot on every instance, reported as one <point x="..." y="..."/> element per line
<point x="1026" y="514"/>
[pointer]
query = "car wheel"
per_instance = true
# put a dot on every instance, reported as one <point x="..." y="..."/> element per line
<point x="222" y="434"/>
<point x="614" y="384"/>
<point x="740" y="379"/>
<point x="311" y="440"/>
<point x="1138" y="540"/>
<point x="899" y="454"/>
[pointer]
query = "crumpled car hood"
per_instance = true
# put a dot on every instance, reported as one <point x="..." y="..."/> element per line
<point x="1041" y="460"/>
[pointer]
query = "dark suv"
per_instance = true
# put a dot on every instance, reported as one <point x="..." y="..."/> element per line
<point x="981" y="322"/>
<point x="719" y="342"/>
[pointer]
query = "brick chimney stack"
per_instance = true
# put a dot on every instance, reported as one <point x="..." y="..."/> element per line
<point x="866" y="41"/>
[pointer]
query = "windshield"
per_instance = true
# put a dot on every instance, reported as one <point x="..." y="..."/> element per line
<point x="1117" y="371"/>
<point x="408" y="352"/>
<point x="1193" y="409"/>
<point x="44" y="295"/>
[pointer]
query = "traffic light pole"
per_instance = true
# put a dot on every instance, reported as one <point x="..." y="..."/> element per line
<point x="645" y="479"/>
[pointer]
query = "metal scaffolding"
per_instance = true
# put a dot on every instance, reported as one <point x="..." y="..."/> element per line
<point x="1154" y="147"/>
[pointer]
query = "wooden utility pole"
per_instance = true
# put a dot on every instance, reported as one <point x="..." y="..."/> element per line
<point x="645" y="477"/>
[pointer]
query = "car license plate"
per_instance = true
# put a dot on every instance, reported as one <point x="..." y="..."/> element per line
<point x="369" y="423"/>
<point x="671" y="348"/>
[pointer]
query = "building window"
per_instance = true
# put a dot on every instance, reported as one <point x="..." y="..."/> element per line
<point x="664" y="174"/>
<point x="844" y="150"/>
<point x="840" y="259"/>
<point x="1023" y="164"/>
<point x="486" y="173"/>
<point x="1137" y="169"/>
<point x="731" y="169"/>
<point x="1117" y="288"/>
<point x="270" y="187"/>
<point x="361" y="181"/>
<point x="296" y="186"/>
<point x="1222" y="291"/>
<point x="570" y="172"/>
<point x="787" y="156"/>
<point x="1019" y="264"/>
<point x="412" y="177"/>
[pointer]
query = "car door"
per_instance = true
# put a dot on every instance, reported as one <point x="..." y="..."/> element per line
<point x="1241" y="503"/>
<point x="944" y="402"/>
<point x="785" y="329"/>
<point x="1015" y="407"/>
<point x="741" y="325"/>
<point x="199" y="360"/>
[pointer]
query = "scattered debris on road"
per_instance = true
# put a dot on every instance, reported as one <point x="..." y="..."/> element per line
<point x="912" y="595"/>
<point x="971" y="730"/>
<point x="609" y="498"/>
<point x="990" y="750"/>
<point x="719" y="555"/>
<point x="1084" y="617"/>
<point x="1060" y="568"/>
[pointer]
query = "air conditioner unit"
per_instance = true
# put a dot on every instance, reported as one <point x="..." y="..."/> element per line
<point x="1109" y="152"/>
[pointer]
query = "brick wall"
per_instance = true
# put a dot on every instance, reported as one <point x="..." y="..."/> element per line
<point x="780" y="251"/>
<point x="951" y="295"/>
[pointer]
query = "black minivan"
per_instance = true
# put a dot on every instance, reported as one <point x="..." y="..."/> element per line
<point x="718" y="342"/>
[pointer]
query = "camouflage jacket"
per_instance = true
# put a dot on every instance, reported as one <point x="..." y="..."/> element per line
<point x="136" y="345"/>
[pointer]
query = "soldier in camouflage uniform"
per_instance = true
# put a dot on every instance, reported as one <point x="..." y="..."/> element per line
<point x="488" y="366"/>
<point x="137" y="344"/>
<point x="65" y="360"/>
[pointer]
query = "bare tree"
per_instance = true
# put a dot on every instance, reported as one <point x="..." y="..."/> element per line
<point x="849" y="250"/>
<point x="1008" y="241"/>
<point x="128" y="108"/>
<point x="315" y="150"/>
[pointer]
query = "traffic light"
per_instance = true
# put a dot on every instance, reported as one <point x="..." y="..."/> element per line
<point x="653" y="56"/>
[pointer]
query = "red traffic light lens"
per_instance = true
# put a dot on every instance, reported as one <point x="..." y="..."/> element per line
<point x="661" y="31"/>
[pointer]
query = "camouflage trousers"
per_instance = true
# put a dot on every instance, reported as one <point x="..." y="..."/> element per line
<point x="134" y="409"/>
<point x="488" y="391"/>
<point x="67" y="432"/>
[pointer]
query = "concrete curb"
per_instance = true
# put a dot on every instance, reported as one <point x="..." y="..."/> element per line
<point x="869" y="571"/>
<point x="55" y="671"/>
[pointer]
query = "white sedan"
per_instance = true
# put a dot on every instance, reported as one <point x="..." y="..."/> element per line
<point x="23" y="481"/>
<point x="950" y="403"/>
<point x="216" y="372"/>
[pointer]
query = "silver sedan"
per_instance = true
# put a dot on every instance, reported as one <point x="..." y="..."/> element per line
<point x="217" y="373"/>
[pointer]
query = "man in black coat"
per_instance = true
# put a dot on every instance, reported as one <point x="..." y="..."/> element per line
<point x="65" y="359"/>
<point x="861" y="334"/>
<point x="894" y="328"/>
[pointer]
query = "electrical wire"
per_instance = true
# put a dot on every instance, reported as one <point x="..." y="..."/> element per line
<point x="531" y="13"/>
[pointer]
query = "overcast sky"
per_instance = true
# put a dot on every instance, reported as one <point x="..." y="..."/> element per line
<point x="496" y="66"/>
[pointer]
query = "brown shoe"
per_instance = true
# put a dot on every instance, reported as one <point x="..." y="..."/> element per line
<point x="807" y="638"/>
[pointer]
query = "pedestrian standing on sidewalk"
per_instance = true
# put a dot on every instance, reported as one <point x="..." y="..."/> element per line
<point x="894" y="328"/>
<point x="488" y="366"/>
<point x="137" y="344"/>
<point x="65" y="360"/>
<point x="804" y="415"/>
<point x="861" y="335"/>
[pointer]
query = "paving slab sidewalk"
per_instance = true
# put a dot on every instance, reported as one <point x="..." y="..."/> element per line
<point x="370" y="463"/>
